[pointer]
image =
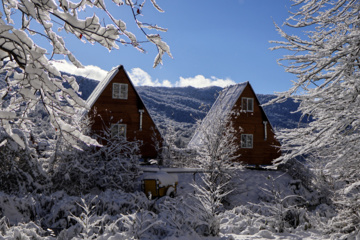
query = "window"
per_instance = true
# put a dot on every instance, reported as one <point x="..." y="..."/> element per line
<point x="246" y="141"/>
<point x="248" y="104"/>
<point x="120" y="91"/>
<point x="118" y="130"/>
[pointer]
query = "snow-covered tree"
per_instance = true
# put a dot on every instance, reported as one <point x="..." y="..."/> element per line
<point x="168" y="146"/>
<point x="217" y="148"/>
<point x="326" y="62"/>
<point x="29" y="75"/>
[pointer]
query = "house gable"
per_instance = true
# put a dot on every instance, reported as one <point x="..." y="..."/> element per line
<point x="129" y="109"/>
<point x="265" y="147"/>
<point x="257" y="143"/>
<point x="222" y="106"/>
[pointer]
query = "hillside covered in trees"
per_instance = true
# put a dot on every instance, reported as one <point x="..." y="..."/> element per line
<point x="183" y="106"/>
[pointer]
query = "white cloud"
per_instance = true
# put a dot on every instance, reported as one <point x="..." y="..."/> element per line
<point x="166" y="83"/>
<point x="90" y="71"/>
<point x="141" y="78"/>
<point x="199" y="81"/>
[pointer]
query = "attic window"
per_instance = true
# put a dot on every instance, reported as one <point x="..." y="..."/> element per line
<point x="120" y="91"/>
<point x="247" y="104"/>
<point x="118" y="130"/>
<point x="246" y="141"/>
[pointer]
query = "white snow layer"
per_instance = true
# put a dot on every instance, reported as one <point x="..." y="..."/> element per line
<point x="164" y="178"/>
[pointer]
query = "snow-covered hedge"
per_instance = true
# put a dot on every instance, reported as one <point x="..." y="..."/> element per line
<point x="111" y="213"/>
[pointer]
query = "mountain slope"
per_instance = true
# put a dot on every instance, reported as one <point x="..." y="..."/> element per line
<point x="183" y="105"/>
<point x="178" y="104"/>
<point x="177" y="109"/>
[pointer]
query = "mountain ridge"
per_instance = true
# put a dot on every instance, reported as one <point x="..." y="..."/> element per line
<point x="187" y="104"/>
<point x="181" y="107"/>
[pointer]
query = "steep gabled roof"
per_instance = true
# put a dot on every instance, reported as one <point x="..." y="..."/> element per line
<point x="226" y="100"/>
<point x="101" y="86"/>
<point x="105" y="82"/>
<point x="221" y="107"/>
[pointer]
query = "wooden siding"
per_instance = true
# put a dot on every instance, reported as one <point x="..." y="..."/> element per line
<point x="125" y="111"/>
<point x="263" y="151"/>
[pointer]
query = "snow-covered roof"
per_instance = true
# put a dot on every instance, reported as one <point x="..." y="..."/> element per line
<point x="172" y="169"/>
<point x="101" y="86"/>
<point x="164" y="178"/>
<point x="221" y="107"/>
<point x="227" y="99"/>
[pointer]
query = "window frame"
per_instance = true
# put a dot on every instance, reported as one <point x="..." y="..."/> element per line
<point x="120" y="91"/>
<point x="118" y="126"/>
<point x="245" y="104"/>
<point x="248" y="138"/>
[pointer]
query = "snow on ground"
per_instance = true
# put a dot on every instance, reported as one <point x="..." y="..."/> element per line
<point x="249" y="190"/>
<point x="249" y="185"/>
<point x="266" y="234"/>
<point x="236" y="222"/>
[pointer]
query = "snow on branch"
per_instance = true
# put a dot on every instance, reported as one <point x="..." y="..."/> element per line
<point x="28" y="73"/>
<point x="324" y="59"/>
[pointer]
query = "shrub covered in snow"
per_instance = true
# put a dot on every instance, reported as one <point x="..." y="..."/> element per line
<point x="110" y="214"/>
<point x="113" y="166"/>
<point x="20" y="170"/>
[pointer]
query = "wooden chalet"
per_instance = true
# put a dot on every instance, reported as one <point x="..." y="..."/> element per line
<point x="115" y="104"/>
<point x="258" y="145"/>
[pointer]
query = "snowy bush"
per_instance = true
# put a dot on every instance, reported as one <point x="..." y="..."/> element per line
<point x="251" y="219"/>
<point x="90" y="215"/>
<point x="282" y="211"/>
<point x="267" y="201"/>
<point x="241" y="219"/>
<point x="20" y="170"/>
<point x="111" y="214"/>
<point x="141" y="223"/>
<point x="181" y="216"/>
<point x="113" y="166"/>
<point x="26" y="231"/>
<point x="120" y="215"/>
<point x="347" y="220"/>
<point x="311" y="175"/>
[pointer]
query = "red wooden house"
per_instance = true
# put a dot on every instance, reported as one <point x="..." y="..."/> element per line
<point x="115" y="104"/>
<point x="257" y="142"/>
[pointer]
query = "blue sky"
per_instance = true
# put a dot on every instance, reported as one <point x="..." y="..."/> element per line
<point x="211" y="42"/>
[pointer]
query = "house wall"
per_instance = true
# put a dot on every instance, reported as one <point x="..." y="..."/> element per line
<point x="263" y="151"/>
<point x="125" y="111"/>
